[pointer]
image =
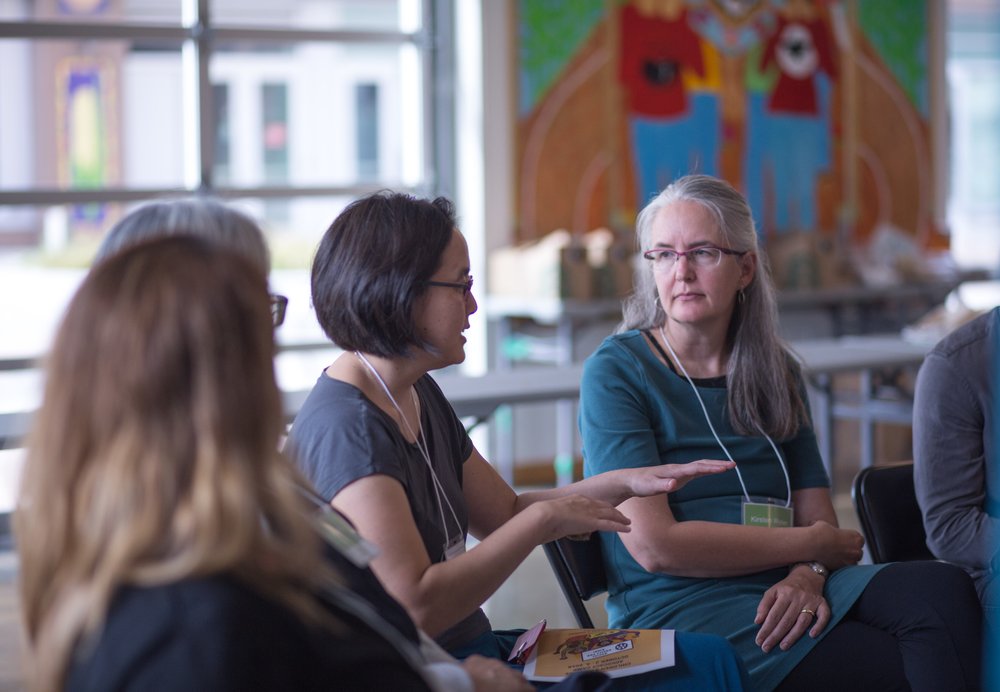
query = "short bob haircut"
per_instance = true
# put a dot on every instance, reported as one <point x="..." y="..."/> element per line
<point x="372" y="266"/>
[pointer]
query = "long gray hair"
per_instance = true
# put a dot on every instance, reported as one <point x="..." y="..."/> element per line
<point x="759" y="363"/>
<point x="206" y="218"/>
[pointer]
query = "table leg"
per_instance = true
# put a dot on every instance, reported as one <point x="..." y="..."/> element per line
<point x="565" y="418"/>
<point x="867" y="422"/>
<point x="822" y="388"/>
<point x="503" y="419"/>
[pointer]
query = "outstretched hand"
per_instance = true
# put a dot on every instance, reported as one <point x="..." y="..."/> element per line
<point x="577" y="515"/>
<point x="667" y="478"/>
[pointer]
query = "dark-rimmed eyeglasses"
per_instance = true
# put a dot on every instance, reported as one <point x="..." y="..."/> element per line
<point x="278" y="306"/>
<point x="466" y="285"/>
<point x="704" y="257"/>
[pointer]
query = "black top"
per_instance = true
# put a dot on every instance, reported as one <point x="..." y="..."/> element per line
<point x="715" y="382"/>
<point x="217" y="633"/>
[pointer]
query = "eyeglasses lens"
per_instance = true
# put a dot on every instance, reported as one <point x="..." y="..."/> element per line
<point x="279" y="304"/>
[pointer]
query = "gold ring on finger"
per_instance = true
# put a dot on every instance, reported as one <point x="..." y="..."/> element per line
<point x="812" y="613"/>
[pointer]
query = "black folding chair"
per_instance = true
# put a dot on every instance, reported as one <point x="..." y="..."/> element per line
<point x="579" y="569"/>
<point x="891" y="521"/>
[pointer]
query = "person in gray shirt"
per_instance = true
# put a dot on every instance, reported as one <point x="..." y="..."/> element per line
<point x="956" y="476"/>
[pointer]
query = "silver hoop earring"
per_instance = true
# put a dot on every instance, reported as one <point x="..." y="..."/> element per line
<point x="741" y="297"/>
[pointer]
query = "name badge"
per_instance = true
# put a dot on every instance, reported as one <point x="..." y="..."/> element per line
<point x="768" y="512"/>
<point x="454" y="548"/>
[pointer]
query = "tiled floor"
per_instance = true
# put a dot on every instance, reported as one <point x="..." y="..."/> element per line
<point x="529" y="595"/>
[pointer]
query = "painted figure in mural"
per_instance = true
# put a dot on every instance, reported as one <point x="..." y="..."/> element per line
<point x="788" y="119"/>
<point x="733" y="26"/>
<point x="673" y="127"/>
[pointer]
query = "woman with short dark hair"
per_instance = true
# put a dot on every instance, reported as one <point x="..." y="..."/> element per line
<point x="378" y="439"/>
<point x="367" y="275"/>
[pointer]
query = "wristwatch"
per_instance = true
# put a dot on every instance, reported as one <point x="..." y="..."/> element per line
<point x="817" y="567"/>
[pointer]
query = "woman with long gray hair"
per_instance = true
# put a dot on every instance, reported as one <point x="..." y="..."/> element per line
<point x="698" y="371"/>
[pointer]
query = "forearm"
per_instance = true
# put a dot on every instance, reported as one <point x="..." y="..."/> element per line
<point x="951" y="492"/>
<point x="449" y="591"/>
<point x="734" y="549"/>
<point x="965" y="535"/>
<point x="610" y="487"/>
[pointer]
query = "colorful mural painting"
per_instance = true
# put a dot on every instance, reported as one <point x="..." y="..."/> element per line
<point x="673" y="128"/>
<point x="816" y="109"/>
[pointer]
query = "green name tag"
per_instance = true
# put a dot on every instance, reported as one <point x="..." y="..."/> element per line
<point x="766" y="514"/>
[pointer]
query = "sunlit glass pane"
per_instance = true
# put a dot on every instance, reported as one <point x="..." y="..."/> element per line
<point x="90" y="115"/>
<point x="100" y="11"/>
<point x="314" y="114"/>
<point x="356" y="15"/>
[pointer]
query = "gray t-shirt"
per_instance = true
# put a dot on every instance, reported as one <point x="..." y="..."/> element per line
<point x="340" y="436"/>
<point x="955" y="473"/>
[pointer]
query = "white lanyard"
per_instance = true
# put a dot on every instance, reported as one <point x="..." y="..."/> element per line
<point x="746" y="495"/>
<point x="439" y="491"/>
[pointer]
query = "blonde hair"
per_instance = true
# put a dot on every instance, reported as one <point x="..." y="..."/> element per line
<point x="154" y="455"/>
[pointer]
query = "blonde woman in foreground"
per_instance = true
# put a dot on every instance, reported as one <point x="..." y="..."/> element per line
<point x="164" y="544"/>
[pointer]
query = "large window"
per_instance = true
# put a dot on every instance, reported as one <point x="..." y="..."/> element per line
<point x="973" y="72"/>
<point x="367" y="119"/>
<point x="290" y="109"/>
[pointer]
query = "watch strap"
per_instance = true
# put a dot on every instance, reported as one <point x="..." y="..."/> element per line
<point x="817" y="567"/>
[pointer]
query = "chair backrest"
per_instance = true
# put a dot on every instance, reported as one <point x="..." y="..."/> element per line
<point x="891" y="521"/>
<point x="579" y="568"/>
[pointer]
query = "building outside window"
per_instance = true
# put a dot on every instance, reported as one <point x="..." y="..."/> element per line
<point x="366" y="117"/>
<point x="220" y="118"/>
<point x="973" y="74"/>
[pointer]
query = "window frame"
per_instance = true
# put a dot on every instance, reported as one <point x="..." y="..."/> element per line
<point x="197" y="38"/>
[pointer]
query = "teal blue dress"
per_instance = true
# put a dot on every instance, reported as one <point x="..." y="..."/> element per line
<point x="635" y="411"/>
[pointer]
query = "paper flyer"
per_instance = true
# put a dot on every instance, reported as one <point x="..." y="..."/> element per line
<point x="618" y="653"/>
